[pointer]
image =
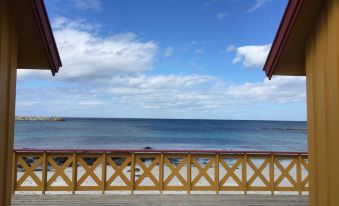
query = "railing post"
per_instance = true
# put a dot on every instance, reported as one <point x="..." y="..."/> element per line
<point x="14" y="173"/>
<point x="44" y="172"/>
<point x="189" y="189"/>
<point x="216" y="175"/>
<point x="74" y="173"/>
<point x="299" y="175"/>
<point x="132" y="173"/>
<point x="161" y="172"/>
<point x="103" y="172"/>
<point x="244" y="173"/>
<point x="271" y="173"/>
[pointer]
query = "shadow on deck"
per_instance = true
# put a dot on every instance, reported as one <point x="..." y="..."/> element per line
<point x="89" y="200"/>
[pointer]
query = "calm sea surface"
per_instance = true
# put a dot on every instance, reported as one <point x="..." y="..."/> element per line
<point x="91" y="133"/>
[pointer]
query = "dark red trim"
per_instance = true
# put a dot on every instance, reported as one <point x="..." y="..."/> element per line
<point x="159" y="151"/>
<point x="46" y="32"/>
<point x="285" y="28"/>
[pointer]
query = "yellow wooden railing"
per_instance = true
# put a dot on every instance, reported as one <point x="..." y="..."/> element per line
<point x="165" y="170"/>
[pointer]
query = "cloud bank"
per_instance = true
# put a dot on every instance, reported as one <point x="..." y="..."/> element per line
<point x="110" y="76"/>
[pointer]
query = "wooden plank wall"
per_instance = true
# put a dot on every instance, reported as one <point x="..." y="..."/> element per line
<point x="322" y="68"/>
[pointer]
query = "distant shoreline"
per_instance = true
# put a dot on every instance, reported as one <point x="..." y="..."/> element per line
<point x="36" y="118"/>
<point x="189" y="119"/>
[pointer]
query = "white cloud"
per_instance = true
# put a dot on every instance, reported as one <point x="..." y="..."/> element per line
<point x="162" y="93"/>
<point x="160" y="81"/>
<point x="231" y="48"/>
<point x="258" y="4"/>
<point x="61" y="22"/>
<point x="87" y="55"/>
<point x="194" y="64"/>
<point x="198" y="51"/>
<point x="209" y="3"/>
<point x="132" y="91"/>
<point x="278" y="90"/>
<point x="253" y="56"/>
<point x="169" y="51"/>
<point x="221" y="16"/>
<point x="87" y="4"/>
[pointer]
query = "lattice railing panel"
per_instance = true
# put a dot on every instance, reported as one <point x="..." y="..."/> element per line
<point x="175" y="174"/>
<point x="30" y="168"/>
<point x="203" y="172"/>
<point x="89" y="172"/>
<point x="258" y="178"/>
<point x="59" y="172"/>
<point x="304" y="174"/>
<point x="286" y="170"/>
<point x="147" y="176"/>
<point x="231" y="172"/>
<point x="161" y="171"/>
<point x="119" y="173"/>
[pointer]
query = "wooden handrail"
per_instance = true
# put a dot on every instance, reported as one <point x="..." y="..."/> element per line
<point x="160" y="151"/>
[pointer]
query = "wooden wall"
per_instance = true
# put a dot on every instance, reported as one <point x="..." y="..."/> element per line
<point x="322" y="71"/>
<point x="8" y="65"/>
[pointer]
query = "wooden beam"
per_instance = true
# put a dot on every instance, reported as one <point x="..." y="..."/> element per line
<point x="8" y="66"/>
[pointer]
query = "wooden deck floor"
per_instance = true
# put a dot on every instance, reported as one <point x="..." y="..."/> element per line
<point x="150" y="200"/>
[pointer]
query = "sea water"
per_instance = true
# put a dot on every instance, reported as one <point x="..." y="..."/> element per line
<point x="100" y="133"/>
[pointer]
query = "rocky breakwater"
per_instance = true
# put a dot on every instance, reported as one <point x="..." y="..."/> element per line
<point x="28" y="118"/>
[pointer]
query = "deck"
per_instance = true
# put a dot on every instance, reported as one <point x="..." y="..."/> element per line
<point x="149" y="200"/>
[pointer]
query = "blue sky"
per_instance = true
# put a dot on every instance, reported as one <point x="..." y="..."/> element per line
<point x="163" y="59"/>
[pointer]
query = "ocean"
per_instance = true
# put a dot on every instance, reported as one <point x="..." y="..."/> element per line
<point x="102" y="133"/>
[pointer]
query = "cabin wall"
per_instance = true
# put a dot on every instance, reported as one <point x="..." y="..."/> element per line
<point x="8" y="66"/>
<point x="322" y="71"/>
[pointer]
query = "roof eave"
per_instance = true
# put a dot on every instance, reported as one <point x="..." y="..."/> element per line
<point x="285" y="28"/>
<point x="46" y="32"/>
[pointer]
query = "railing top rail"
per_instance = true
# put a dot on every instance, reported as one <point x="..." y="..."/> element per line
<point x="160" y="151"/>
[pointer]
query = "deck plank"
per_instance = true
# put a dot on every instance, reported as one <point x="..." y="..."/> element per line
<point x="164" y="200"/>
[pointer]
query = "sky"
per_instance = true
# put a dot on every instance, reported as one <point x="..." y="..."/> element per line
<point x="192" y="59"/>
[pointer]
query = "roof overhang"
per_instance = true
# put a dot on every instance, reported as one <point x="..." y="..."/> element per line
<point x="287" y="54"/>
<point x="36" y="44"/>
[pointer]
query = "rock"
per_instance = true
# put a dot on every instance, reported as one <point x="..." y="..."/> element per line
<point x="89" y="160"/>
<point x="148" y="148"/>
<point x="118" y="161"/>
<point x="136" y="170"/>
<point x="60" y="160"/>
<point x="27" y="118"/>
<point x="175" y="161"/>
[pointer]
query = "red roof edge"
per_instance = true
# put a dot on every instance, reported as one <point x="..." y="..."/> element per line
<point x="282" y="35"/>
<point x="45" y="28"/>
